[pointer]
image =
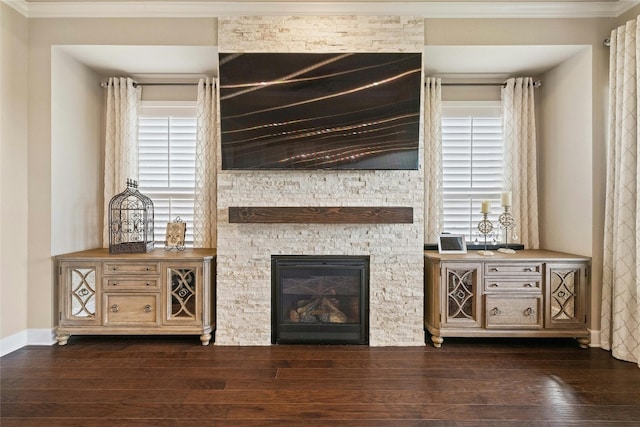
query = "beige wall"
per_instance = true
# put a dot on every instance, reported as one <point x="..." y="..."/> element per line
<point x="76" y="155"/>
<point x="496" y="32"/>
<point x="13" y="177"/>
<point x="45" y="33"/>
<point x="471" y="93"/>
<point x="630" y="14"/>
<point x="565" y="141"/>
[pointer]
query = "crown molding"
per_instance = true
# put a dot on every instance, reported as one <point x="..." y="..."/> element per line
<point x="426" y="9"/>
<point x="20" y="5"/>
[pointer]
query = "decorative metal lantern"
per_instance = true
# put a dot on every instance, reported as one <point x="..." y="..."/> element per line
<point x="130" y="221"/>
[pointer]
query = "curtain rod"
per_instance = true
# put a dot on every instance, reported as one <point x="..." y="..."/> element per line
<point x="537" y="83"/>
<point x="136" y="84"/>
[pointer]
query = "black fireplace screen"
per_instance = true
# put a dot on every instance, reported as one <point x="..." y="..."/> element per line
<point x="320" y="299"/>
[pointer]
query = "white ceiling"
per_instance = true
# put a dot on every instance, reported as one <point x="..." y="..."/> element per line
<point x="146" y="60"/>
<point x="495" y="60"/>
<point x="444" y="61"/>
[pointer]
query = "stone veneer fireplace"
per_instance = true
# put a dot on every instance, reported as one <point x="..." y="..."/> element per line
<point x="395" y="251"/>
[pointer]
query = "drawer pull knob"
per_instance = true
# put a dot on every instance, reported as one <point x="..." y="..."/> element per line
<point x="529" y="311"/>
<point x="493" y="285"/>
<point x="528" y="269"/>
<point x="148" y="268"/>
<point x="115" y="308"/>
<point x="148" y="284"/>
<point x="496" y="311"/>
<point x="147" y="308"/>
<point x="115" y="283"/>
<point x="495" y="269"/>
<point x="114" y="268"/>
<point x="528" y="285"/>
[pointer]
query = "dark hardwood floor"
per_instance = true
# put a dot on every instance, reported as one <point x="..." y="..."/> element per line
<point x="174" y="381"/>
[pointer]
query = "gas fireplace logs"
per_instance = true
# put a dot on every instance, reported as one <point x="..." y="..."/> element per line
<point x="318" y="310"/>
<point x="321" y="300"/>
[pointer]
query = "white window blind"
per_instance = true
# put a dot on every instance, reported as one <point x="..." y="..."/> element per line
<point x="472" y="151"/>
<point x="166" y="163"/>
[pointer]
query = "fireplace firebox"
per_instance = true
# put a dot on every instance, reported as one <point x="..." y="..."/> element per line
<point x="320" y="299"/>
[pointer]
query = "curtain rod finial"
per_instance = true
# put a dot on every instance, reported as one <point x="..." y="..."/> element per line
<point x="607" y="42"/>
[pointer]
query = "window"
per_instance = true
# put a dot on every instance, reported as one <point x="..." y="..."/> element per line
<point x="166" y="163"/>
<point x="472" y="150"/>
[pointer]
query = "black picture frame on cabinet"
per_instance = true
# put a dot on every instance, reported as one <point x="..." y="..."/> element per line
<point x="452" y="244"/>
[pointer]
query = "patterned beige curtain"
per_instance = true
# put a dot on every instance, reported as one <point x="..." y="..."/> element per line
<point x="433" y="208"/>
<point x="121" y="141"/>
<point x="620" y="330"/>
<point x="520" y="164"/>
<point x="204" y="218"/>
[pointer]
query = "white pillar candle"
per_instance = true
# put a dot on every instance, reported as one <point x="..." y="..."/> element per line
<point x="486" y="206"/>
<point x="506" y="198"/>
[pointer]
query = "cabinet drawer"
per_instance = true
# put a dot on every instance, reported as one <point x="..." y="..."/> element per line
<point x="131" y="268"/>
<point x="522" y="312"/>
<point x="128" y="283"/>
<point x="513" y="269"/>
<point x="501" y="285"/>
<point x="131" y="309"/>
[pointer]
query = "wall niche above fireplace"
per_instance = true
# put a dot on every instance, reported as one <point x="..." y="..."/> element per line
<point x="320" y="299"/>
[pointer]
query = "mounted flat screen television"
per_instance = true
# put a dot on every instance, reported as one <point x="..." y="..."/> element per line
<point x="320" y="111"/>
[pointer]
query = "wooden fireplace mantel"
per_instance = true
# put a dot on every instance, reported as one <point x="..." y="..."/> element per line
<point x="321" y="215"/>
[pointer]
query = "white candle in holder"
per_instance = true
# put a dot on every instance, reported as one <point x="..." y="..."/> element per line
<point x="506" y="198"/>
<point x="485" y="207"/>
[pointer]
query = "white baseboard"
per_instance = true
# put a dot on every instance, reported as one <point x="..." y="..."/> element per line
<point x="594" y="338"/>
<point x="27" y="337"/>
<point x="41" y="336"/>
<point x="13" y="343"/>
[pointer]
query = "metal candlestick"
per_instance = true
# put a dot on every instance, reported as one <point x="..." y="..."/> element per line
<point x="507" y="221"/>
<point x="485" y="227"/>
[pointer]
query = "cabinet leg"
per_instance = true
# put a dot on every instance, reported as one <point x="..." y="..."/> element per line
<point x="437" y="341"/>
<point x="62" y="339"/>
<point x="205" y="338"/>
<point x="583" y="342"/>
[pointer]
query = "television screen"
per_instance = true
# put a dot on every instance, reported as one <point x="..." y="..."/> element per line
<point x="320" y="111"/>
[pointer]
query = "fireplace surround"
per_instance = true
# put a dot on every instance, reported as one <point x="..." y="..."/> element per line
<point x="394" y="248"/>
<point x="320" y="300"/>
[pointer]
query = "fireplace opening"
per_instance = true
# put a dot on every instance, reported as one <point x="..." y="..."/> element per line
<point x="320" y="299"/>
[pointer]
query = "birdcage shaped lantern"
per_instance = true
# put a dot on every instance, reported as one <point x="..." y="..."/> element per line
<point x="130" y="221"/>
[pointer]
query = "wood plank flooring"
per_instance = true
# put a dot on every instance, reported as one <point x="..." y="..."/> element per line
<point x="174" y="381"/>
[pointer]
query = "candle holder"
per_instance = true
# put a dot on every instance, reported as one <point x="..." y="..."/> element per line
<point x="485" y="227"/>
<point x="507" y="221"/>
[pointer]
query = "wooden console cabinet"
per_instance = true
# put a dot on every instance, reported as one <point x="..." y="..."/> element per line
<point x="532" y="293"/>
<point x="160" y="292"/>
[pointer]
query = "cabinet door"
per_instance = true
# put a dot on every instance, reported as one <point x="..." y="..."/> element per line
<point x="183" y="293"/>
<point x="461" y="286"/>
<point x="565" y="292"/>
<point x="79" y="293"/>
